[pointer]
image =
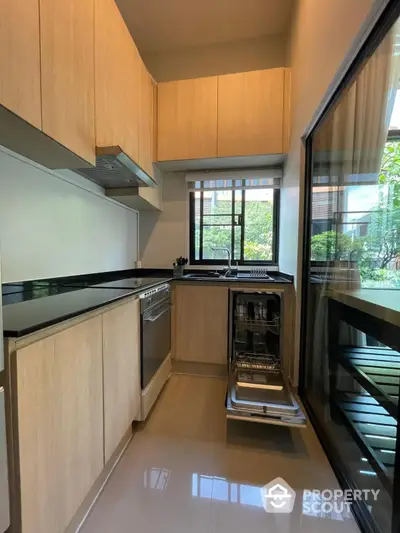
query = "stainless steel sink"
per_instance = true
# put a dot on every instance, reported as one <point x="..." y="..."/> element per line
<point x="204" y="276"/>
<point x="249" y="275"/>
<point x="232" y="275"/>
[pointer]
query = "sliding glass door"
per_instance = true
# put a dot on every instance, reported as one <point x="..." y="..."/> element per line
<point x="351" y="304"/>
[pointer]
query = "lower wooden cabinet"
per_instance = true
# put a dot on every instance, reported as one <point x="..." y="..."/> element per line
<point x="60" y="424"/>
<point x="74" y="396"/>
<point x="200" y="323"/>
<point x="121" y="360"/>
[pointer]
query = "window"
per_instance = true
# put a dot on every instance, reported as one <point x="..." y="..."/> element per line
<point x="363" y="211"/>
<point x="240" y="215"/>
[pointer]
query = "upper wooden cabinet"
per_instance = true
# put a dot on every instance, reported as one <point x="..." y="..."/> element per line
<point x="250" y="113"/>
<point x="187" y="119"/>
<point x="67" y="67"/>
<point x="20" y="59"/>
<point x="108" y="64"/>
<point x="117" y="81"/>
<point x="146" y="121"/>
<point x="224" y="116"/>
<point x="71" y="79"/>
<point x="131" y="96"/>
<point x="47" y="81"/>
<point x="287" y="111"/>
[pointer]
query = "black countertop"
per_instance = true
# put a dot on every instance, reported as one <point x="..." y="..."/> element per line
<point x="31" y="306"/>
<point x="18" y="293"/>
<point x="200" y="278"/>
<point x="37" y="312"/>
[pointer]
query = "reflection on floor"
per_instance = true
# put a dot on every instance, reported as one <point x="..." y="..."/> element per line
<point x="186" y="469"/>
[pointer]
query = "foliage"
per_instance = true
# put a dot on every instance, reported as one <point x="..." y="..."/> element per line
<point x="332" y="245"/>
<point x="390" y="170"/>
<point x="385" y="221"/>
<point x="257" y="252"/>
<point x="372" y="277"/>
<point x="258" y="231"/>
<point x="382" y="245"/>
<point x="375" y="253"/>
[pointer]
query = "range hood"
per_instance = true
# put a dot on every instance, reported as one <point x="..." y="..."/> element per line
<point x="116" y="169"/>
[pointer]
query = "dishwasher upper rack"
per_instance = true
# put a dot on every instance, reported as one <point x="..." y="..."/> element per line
<point x="259" y="324"/>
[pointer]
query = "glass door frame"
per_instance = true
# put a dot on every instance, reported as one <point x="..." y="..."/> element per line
<point x="374" y="33"/>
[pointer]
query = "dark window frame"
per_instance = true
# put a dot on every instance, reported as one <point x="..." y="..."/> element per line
<point x="393" y="136"/>
<point x="241" y="222"/>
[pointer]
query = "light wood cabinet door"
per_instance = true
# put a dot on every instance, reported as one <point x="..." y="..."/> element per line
<point x="67" y="72"/>
<point x="187" y="119"/>
<point x="146" y="123"/>
<point x="200" y="324"/>
<point x="131" y="96"/>
<point x="20" y="59"/>
<point x="60" y="424"/>
<point x="287" y="111"/>
<point x="250" y="113"/>
<point x="108" y="72"/>
<point x="147" y="142"/>
<point x="121" y="362"/>
<point x="117" y="81"/>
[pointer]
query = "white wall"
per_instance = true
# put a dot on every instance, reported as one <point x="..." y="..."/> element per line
<point x="219" y="58"/>
<point x="50" y="226"/>
<point x="322" y="34"/>
<point x="163" y="236"/>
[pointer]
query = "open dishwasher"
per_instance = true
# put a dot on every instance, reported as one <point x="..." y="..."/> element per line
<point x="257" y="388"/>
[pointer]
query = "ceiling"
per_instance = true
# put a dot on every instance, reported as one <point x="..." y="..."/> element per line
<point x="160" y="25"/>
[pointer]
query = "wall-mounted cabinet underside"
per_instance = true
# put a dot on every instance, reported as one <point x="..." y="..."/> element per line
<point x="222" y="163"/>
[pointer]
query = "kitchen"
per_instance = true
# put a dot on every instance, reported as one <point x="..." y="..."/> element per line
<point x="160" y="366"/>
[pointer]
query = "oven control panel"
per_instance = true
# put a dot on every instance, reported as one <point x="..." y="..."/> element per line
<point x="153" y="296"/>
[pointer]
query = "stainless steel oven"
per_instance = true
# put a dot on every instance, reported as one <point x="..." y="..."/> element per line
<point x="155" y="309"/>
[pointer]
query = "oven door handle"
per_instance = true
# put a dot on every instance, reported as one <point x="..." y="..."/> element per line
<point x="154" y="318"/>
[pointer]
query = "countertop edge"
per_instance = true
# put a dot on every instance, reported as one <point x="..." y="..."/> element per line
<point x="376" y="309"/>
<point x="17" y="334"/>
<point x="233" y="281"/>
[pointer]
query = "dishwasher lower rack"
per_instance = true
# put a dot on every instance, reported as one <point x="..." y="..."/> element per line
<point x="262" y="396"/>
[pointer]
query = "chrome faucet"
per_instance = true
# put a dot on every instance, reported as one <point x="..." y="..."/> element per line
<point x="229" y="259"/>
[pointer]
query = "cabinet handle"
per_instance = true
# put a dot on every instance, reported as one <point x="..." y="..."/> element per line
<point x="154" y="318"/>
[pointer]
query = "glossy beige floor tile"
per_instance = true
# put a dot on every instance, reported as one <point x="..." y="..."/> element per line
<point x="188" y="470"/>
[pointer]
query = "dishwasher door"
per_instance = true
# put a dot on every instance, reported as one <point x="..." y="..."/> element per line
<point x="276" y="406"/>
<point x="4" y="494"/>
